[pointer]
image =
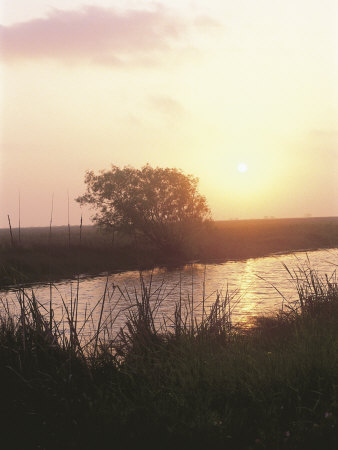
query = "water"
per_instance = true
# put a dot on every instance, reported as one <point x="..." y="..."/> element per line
<point x="256" y="286"/>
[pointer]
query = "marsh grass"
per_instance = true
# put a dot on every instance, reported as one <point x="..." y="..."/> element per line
<point x="44" y="254"/>
<point x="183" y="382"/>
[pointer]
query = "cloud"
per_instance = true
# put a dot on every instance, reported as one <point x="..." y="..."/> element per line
<point x="207" y="23"/>
<point x="326" y="133"/>
<point x="101" y="36"/>
<point x="325" y="141"/>
<point x="94" y="34"/>
<point x="167" y="105"/>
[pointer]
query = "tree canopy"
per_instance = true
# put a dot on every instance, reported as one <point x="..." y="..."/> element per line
<point x="161" y="203"/>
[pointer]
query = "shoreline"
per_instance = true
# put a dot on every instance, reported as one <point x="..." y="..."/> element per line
<point x="44" y="280"/>
<point x="39" y="256"/>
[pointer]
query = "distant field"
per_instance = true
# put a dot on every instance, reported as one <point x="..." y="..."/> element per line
<point x="278" y="232"/>
<point x="39" y="256"/>
<point x="263" y="236"/>
<point x="40" y="236"/>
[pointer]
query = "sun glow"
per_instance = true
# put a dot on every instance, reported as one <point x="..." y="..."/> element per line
<point x="242" y="167"/>
<point x="223" y="91"/>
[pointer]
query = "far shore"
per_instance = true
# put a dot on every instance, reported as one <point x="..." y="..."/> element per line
<point x="39" y="256"/>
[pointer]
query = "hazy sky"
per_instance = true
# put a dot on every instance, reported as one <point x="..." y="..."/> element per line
<point x="200" y="85"/>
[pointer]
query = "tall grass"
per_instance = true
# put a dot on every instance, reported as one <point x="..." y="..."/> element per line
<point x="187" y="381"/>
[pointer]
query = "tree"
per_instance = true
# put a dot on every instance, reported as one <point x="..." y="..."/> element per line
<point x="161" y="204"/>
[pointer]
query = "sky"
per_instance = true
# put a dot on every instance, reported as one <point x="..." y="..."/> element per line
<point x="242" y="94"/>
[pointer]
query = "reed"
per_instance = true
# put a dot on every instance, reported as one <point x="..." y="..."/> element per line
<point x="10" y="231"/>
<point x="163" y="382"/>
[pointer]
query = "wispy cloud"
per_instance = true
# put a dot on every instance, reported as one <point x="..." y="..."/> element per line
<point x="167" y="105"/>
<point x="324" y="133"/>
<point x="207" y="23"/>
<point x="325" y="141"/>
<point x="95" y="34"/>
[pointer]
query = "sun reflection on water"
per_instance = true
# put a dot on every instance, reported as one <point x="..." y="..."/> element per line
<point x="255" y="286"/>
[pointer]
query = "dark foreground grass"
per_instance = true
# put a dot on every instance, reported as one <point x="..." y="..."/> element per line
<point x="39" y="256"/>
<point x="206" y="384"/>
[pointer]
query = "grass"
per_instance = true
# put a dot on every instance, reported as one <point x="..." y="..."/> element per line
<point x="39" y="258"/>
<point x="181" y="384"/>
<point x="252" y="238"/>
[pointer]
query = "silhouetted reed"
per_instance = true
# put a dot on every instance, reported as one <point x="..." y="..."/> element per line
<point x="171" y="381"/>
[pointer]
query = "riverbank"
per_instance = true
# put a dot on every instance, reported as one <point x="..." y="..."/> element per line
<point x="192" y="385"/>
<point x="41" y="256"/>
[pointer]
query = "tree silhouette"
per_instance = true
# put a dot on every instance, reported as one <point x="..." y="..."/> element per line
<point x="162" y="204"/>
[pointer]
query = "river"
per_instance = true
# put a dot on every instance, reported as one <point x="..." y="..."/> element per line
<point x="255" y="286"/>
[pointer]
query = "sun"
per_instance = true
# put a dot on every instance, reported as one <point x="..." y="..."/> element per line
<point x="242" y="167"/>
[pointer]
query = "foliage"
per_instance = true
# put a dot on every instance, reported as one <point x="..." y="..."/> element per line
<point x="160" y="204"/>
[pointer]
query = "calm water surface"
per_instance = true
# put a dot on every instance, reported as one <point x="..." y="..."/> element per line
<point x="256" y="286"/>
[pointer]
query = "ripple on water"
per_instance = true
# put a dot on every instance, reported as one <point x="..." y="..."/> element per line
<point x="256" y="286"/>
